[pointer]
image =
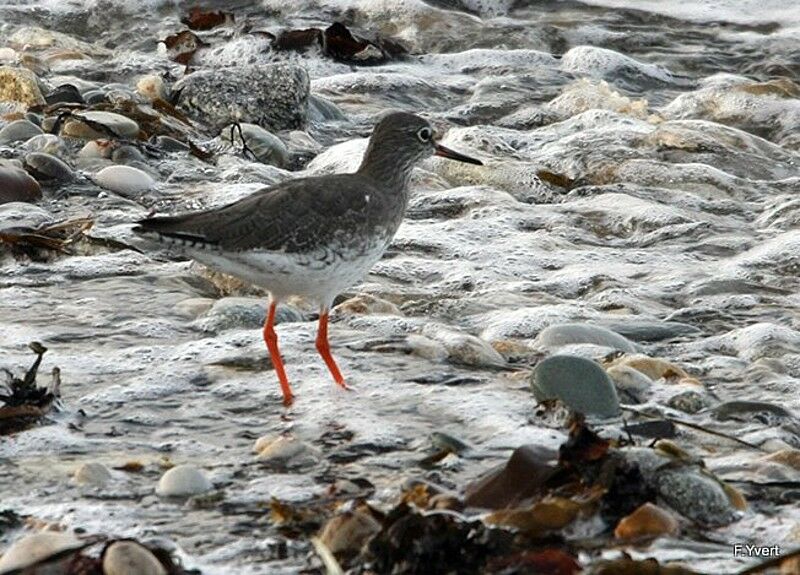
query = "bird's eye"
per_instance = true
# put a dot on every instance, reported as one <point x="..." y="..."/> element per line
<point x="425" y="135"/>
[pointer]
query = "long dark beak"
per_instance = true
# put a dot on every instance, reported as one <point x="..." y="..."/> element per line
<point x="453" y="155"/>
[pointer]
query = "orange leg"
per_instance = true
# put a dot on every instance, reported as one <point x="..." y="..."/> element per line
<point x="271" y="339"/>
<point x="324" y="349"/>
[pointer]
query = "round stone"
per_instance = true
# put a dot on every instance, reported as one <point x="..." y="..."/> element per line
<point x="130" y="558"/>
<point x="124" y="180"/>
<point x="265" y="146"/>
<point x="463" y="348"/>
<point x="559" y="335"/>
<point x="579" y="383"/>
<point x="244" y="312"/>
<point x="17" y="186"/>
<point x="183" y="481"/>
<point x="48" y="167"/>
<point x="632" y="385"/>
<point x="18" y="131"/>
<point x="285" y="452"/>
<point x="92" y="474"/>
<point x="365" y="304"/>
<point x="152" y="87"/>
<point x="117" y="125"/>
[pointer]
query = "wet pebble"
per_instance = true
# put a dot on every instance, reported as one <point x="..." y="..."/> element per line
<point x="426" y="347"/>
<point x="130" y="558"/>
<point x="365" y="304"/>
<point x="97" y="149"/>
<point x="194" y="307"/>
<point x="745" y="410"/>
<point x="168" y="144"/>
<point x="655" y="368"/>
<point x="349" y="531"/>
<point x="33" y="548"/>
<point x="579" y="383"/>
<point x="17" y="186"/>
<point x="559" y="335"/>
<point x="244" y="313"/>
<point x="19" y="85"/>
<point x="152" y="87"/>
<point x="65" y="93"/>
<point x="689" y="401"/>
<point x="286" y="452"/>
<point x="647" y="521"/>
<point x="650" y="330"/>
<point x="117" y="124"/>
<point x="18" y="131"/>
<point x="124" y="180"/>
<point x="92" y="474"/>
<point x="265" y="146"/>
<point x="632" y="385"/>
<point x="273" y="96"/>
<point x="463" y="348"/>
<point x="127" y="155"/>
<point x="182" y="481"/>
<point x="48" y="168"/>
<point x="47" y="143"/>
<point x="522" y="476"/>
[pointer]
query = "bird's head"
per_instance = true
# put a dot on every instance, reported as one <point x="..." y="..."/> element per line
<point x="402" y="140"/>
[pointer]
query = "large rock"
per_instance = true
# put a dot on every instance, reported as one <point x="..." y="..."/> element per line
<point x="17" y="186"/>
<point x="579" y="383"/>
<point x="19" y="85"/>
<point x="274" y="96"/>
<point x="689" y="489"/>
<point x="34" y="548"/>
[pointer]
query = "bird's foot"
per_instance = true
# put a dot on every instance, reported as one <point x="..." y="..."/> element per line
<point x="341" y="383"/>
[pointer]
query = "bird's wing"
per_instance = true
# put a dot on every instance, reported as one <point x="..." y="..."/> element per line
<point x="293" y="216"/>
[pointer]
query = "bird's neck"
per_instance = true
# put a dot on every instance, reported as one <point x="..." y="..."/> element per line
<point x="390" y="172"/>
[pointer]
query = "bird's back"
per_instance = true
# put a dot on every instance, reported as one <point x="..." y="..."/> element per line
<point x="296" y="216"/>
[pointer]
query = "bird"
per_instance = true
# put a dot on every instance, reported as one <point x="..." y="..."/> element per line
<point x="314" y="236"/>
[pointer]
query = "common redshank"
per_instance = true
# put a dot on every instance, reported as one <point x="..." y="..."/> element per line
<point x="312" y="237"/>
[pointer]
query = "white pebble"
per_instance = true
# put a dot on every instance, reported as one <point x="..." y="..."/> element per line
<point x="286" y="451"/>
<point x="124" y="180"/>
<point x="183" y="480"/>
<point x="92" y="473"/>
<point x="152" y="87"/>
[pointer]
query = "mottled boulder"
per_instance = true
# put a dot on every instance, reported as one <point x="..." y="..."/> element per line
<point x="19" y="85"/>
<point x="273" y="96"/>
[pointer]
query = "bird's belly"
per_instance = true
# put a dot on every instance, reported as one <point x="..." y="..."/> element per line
<point x="319" y="275"/>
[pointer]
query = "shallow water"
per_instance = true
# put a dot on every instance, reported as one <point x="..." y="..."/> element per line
<point x="677" y="129"/>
